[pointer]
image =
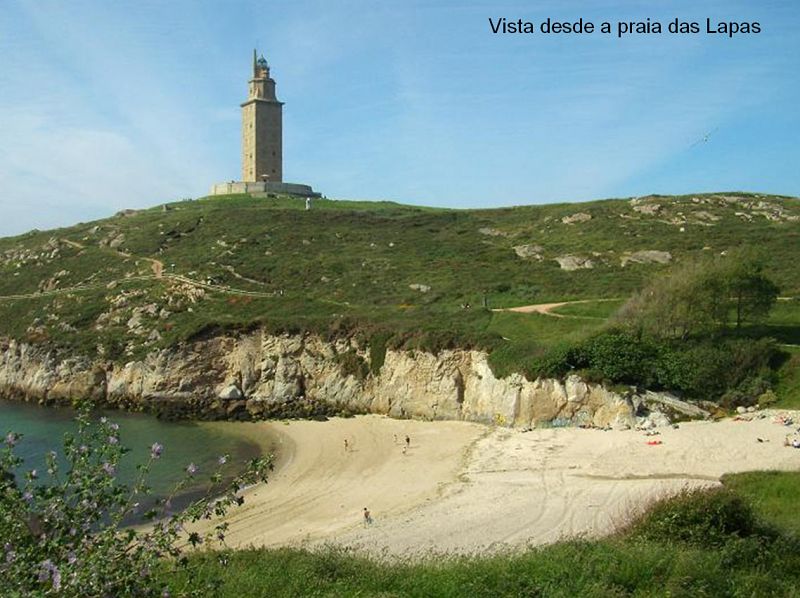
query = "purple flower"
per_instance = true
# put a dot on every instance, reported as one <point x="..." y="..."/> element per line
<point x="11" y="438"/>
<point x="191" y="469"/>
<point x="72" y="558"/>
<point x="113" y="440"/>
<point x="27" y="496"/>
<point x="109" y="469"/>
<point x="114" y="426"/>
<point x="83" y="449"/>
<point x="156" y="450"/>
<point x="50" y="571"/>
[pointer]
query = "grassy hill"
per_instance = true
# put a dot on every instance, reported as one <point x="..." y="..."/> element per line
<point x="408" y="275"/>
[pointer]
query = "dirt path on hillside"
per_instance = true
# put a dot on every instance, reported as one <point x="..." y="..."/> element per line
<point x="160" y="276"/>
<point x="546" y="309"/>
<point x="156" y="266"/>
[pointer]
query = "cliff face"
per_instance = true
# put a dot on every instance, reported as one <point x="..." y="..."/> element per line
<point x="256" y="375"/>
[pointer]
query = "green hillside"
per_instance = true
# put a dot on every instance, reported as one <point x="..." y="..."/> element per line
<point x="410" y="275"/>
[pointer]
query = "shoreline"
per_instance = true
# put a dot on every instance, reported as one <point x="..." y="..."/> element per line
<point x="465" y="488"/>
<point x="42" y="427"/>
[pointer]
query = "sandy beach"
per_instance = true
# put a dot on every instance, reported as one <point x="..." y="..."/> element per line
<point x="467" y="488"/>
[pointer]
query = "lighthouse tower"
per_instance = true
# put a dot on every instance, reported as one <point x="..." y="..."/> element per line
<point x="262" y="143"/>
<point x="262" y="128"/>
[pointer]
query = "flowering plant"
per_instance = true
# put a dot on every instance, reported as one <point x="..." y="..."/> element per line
<point x="65" y="531"/>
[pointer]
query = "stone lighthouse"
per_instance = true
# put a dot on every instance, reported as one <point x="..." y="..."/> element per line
<point x="262" y="142"/>
<point x="262" y="127"/>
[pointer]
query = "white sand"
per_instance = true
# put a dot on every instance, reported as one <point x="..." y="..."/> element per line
<point x="468" y="488"/>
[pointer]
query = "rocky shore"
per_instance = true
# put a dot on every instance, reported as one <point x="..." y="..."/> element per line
<point x="260" y="376"/>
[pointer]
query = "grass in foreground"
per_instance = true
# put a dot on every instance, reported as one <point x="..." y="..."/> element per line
<point x="730" y="549"/>
<point x="773" y="494"/>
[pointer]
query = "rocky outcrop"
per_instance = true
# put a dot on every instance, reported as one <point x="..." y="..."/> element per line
<point x="422" y="288"/>
<point x="261" y="375"/>
<point x="669" y="404"/>
<point x="649" y="209"/>
<point x="574" y="262"/>
<point x="529" y="251"/>
<point x="646" y="256"/>
<point x="576" y="218"/>
<point x="492" y="232"/>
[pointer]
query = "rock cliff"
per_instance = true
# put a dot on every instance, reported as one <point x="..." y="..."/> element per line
<point x="260" y="375"/>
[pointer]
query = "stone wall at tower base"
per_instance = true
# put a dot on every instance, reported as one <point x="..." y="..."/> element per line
<point x="235" y="187"/>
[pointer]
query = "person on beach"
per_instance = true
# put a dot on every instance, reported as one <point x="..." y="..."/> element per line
<point x="346" y="445"/>
<point x="405" y="449"/>
<point x="367" y="517"/>
<point x="408" y="441"/>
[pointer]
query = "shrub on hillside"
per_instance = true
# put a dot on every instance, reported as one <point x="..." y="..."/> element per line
<point x="706" y="518"/>
<point x="620" y="357"/>
<point x="745" y="394"/>
<point x="696" y="368"/>
<point x="557" y="362"/>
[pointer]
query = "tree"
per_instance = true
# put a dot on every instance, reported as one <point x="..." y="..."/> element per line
<point x="702" y="297"/>
<point x="751" y="294"/>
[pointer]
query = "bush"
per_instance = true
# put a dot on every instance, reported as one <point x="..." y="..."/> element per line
<point x="745" y="394"/>
<point x="64" y="532"/>
<point x="557" y="362"/>
<point x="620" y="357"/>
<point x="703" y="518"/>
<point x="740" y="369"/>
<point x="352" y="364"/>
<point x="710" y="370"/>
<point x="377" y="351"/>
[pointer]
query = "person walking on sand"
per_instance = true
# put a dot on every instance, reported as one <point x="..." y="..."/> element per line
<point x="367" y="517"/>
<point x="408" y="441"/>
<point x="346" y="445"/>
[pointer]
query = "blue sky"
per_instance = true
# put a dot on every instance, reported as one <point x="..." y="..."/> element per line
<point x="107" y="105"/>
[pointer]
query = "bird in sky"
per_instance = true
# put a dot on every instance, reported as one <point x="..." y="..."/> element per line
<point x="705" y="138"/>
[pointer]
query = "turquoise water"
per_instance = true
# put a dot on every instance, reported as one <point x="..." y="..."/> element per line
<point x="43" y="430"/>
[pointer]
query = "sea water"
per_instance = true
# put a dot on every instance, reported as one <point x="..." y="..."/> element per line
<point x="201" y="443"/>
